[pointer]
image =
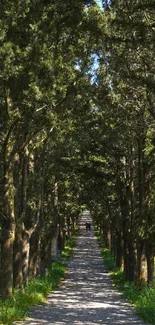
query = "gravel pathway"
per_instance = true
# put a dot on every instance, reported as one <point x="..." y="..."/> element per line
<point x="86" y="295"/>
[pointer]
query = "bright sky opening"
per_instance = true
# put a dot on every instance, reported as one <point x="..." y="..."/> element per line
<point x="99" y="2"/>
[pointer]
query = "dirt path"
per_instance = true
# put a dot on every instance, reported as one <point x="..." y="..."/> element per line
<point x="86" y="296"/>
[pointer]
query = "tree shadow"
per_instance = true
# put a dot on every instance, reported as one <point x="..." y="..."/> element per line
<point x="86" y="294"/>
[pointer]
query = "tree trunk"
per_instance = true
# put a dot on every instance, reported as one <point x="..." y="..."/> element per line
<point x="54" y="243"/>
<point x="141" y="277"/>
<point x="25" y="255"/>
<point x="125" y="232"/>
<point x="54" y="247"/>
<point x="112" y="247"/>
<point x="119" y="250"/>
<point x="124" y="199"/>
<point x="45" y="251"/>
<point x="7" y="258"/>
<point x="132" y="232"/>
<point x="132" y="260"/>
<point x="34" y="252"/>
<point x="126" y="260"/>
<point x="18" y="244"/>
<point x="8" y="232"/>
<point x="150" y="261"/>
<point x="17" y="257"/>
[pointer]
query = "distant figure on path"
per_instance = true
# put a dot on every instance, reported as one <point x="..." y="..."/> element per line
<point x="88" y="225"/>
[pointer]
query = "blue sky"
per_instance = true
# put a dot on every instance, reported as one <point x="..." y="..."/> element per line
<point x="99" y="2"/>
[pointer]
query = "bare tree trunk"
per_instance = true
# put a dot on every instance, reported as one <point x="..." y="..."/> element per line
<point x="150" y="261"/>
<point x="141" y="277"/>
<point x="17" y="257"/>
<point x="8" y="231"/>
<point x="119" y="249"/>
<point x="18" y="243"/>
<point x="34" y="252"/>
<point x="25" y="255"/>
<point x="132" y="260"/>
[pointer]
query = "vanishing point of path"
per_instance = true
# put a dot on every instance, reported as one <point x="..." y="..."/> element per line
<point x="86" y="295"/>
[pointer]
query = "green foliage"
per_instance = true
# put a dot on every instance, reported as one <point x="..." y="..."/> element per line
<point x="109" y="260"/>
<point x="143" y="300"/>
<point x="16" y="308"/>
<point x="146" y="305"/>
<point x="67" y="253"/>
<point x="56" y="273"/>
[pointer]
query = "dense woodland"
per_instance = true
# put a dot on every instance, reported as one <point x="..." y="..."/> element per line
<point x="77" y="129"/>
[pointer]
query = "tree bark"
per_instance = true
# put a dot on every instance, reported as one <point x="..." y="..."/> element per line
<point x="119" y="250"/>
<point x="132" y="260"/>
<point x="17" y="257"/>
<point x="141" y="277"/>
<point x="18" y="244"/>
<point x="8" y="231"/>
<point x="150" y="261"/>
<point x="34" y="252"/>
<point x="25" y="255"/>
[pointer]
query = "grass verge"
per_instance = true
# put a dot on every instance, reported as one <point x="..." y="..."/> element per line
<point x="16" y="308"/>
<point x="143" y="300"/>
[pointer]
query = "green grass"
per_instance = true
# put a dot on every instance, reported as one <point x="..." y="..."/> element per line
<point x="143" y="299"/>
<point x="16" y="308"/>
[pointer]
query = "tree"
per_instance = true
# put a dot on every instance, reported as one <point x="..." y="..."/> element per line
<point x="40" y="81"/>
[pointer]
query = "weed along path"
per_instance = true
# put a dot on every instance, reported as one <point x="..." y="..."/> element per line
<point x="86" y="295"/>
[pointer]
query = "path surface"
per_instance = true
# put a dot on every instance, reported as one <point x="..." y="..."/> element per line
<point x="86" y="296"/>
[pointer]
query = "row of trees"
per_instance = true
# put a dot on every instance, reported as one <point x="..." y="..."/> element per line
<point x="76" y="127"/>
<point x="126" y="212"/>
<point x="46" y="52"/>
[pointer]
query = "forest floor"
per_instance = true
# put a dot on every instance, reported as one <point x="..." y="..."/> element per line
<point x="86" y="295"/>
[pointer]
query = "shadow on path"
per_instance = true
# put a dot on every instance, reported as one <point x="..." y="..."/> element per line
<point x="86" y="295"/>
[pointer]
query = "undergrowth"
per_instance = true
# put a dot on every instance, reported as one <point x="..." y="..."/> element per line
<point x="16" y="308"/>
<point x="143" y="299"/>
